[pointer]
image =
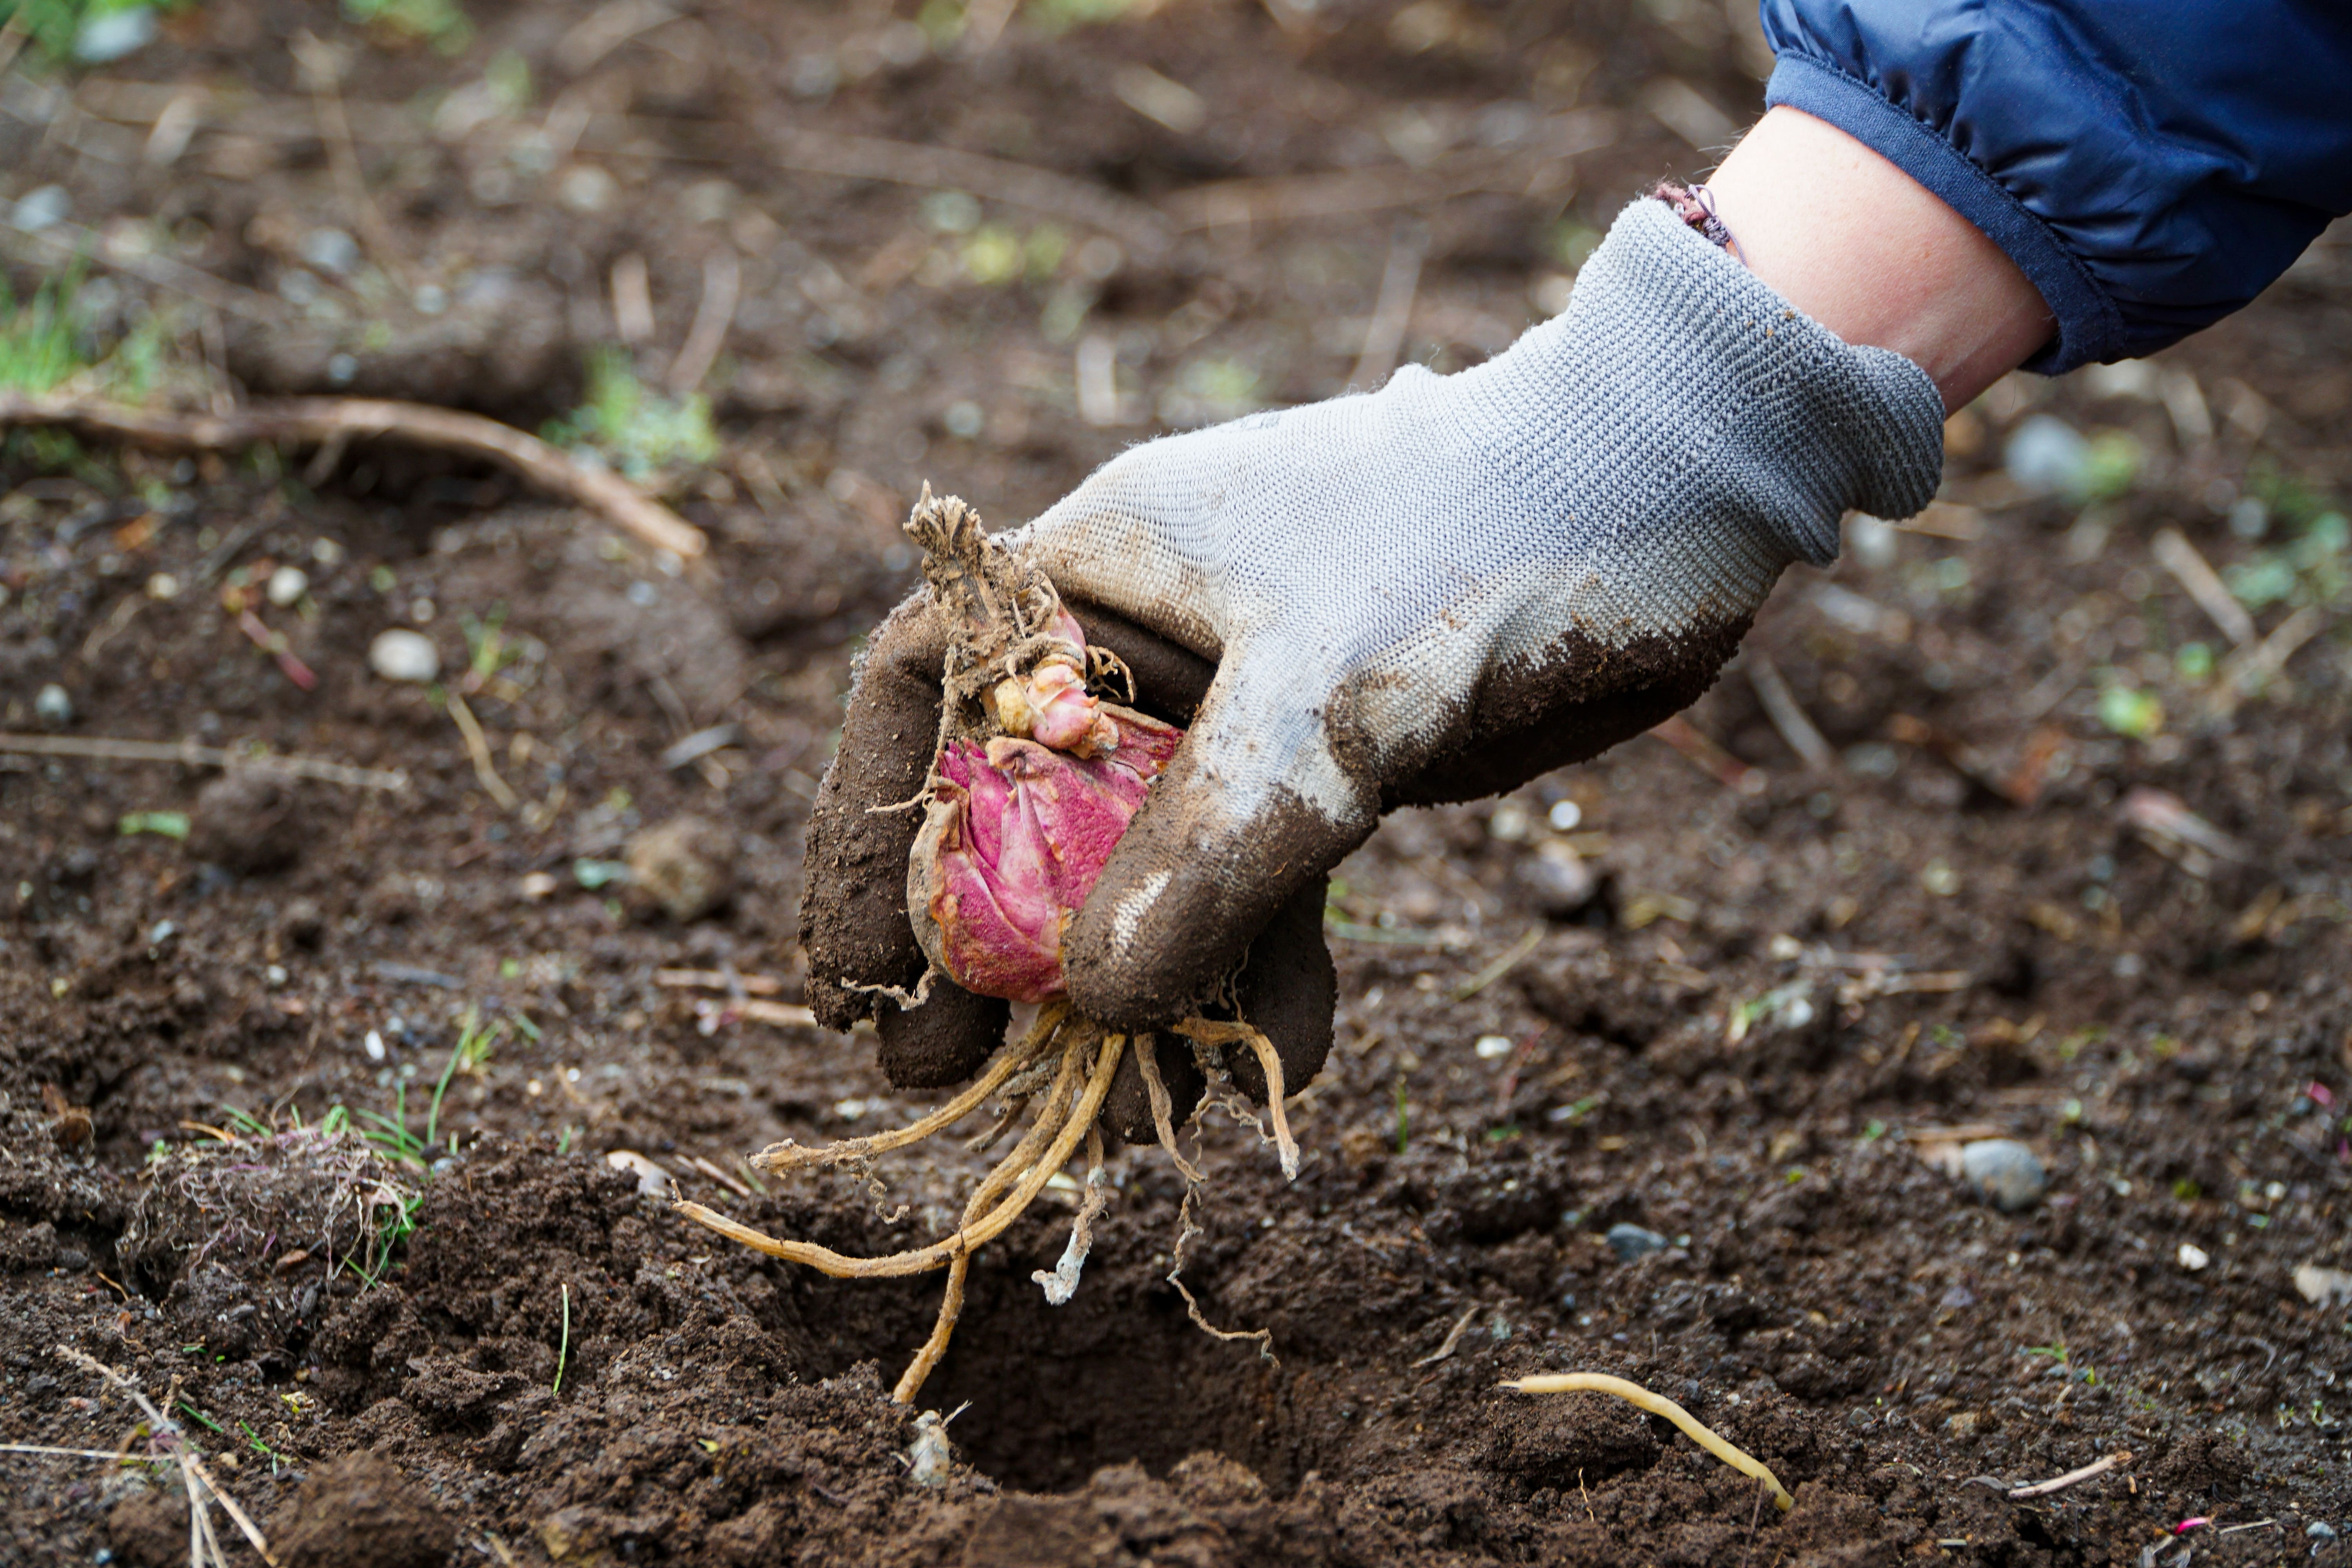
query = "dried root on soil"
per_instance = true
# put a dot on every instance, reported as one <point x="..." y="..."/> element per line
<point x="1034" y="776"/>
<point x="1693" y="1427"/>
<point x="333" y="422"/>
<point x="196" y="1477"/>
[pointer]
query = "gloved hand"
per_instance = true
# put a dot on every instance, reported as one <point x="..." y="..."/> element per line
<point x="1429" y="593"/>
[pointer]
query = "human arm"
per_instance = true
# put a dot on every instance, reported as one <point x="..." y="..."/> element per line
<point x="1876" y="257"/>
<point x="1444" y="588"/>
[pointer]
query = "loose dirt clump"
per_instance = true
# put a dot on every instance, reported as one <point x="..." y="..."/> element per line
<point x="359" y="1511"/>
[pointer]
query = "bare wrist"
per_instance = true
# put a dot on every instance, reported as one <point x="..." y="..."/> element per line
<point x="1869" y="253"/>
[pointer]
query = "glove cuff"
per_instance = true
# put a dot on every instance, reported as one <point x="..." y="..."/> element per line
<point x="1699" y="393"/>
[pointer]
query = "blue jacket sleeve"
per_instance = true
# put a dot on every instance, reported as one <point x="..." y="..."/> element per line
<point x="2149" y="164"/>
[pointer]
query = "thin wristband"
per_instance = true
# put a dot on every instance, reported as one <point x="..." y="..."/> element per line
<point x="1695" y="204"/>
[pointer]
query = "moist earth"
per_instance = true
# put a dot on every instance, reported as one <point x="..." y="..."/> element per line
<point x="1654" y="1068"/>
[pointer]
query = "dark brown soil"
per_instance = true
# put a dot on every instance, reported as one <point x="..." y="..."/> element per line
<point x="1747" y="1041"/>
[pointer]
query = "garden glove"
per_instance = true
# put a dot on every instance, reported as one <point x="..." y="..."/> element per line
<point x="1433" y="591"/>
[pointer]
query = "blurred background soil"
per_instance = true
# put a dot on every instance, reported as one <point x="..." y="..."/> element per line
<point x="2028" y="821"/>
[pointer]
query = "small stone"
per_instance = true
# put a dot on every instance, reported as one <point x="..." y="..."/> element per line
<point x="2323" y="1286"/>
<point x="587" y="189"/>
<point x="1564" y="815"/>
<point x="2319" y="1529"/>
<point x="2003" y="1172"/>
<point x="652" y="1180"/>
<point x="2194" y="1258"/>
<point x="1492" y="1048"/>
<point x="109" y="35"/>
<point x="538" y="885"/>
<point x="2046" y="455"/>
<point x="687" y="866"/>
<point x="331" y="250"/>
<point x="1963" y="1426"/>
<point x="1558" y="879"/>
<point x="38" y="208"/>
<point x="398" y="654"/>
<point x="287" y="586"/>
<point x="1631" y="1241"/>
<point x="53" y="706"/>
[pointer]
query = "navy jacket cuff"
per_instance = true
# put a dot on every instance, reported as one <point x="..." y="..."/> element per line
<point x="2090" y="327"/>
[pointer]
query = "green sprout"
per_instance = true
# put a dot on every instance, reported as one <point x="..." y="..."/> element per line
<point x="641" y="432"/>
<point x="439" y="22"/>
<point x="563" y="1349"/>
<point x="472" y="1054"/>
<point x="2137" y="715"/>
<point x="42" y="341"/>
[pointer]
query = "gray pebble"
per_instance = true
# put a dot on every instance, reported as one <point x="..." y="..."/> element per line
<point x="1561" y="883"/>
<point x="55" y="707"/>
<point x="2320" y="1529"/>
<point x="2003" y="1172"/>
<point x="37" y="209"/>
<point x="1631" y="1241"/>
<point x="331" y="250"/>
<point x="2045" y="455"/>
<point x="399" y="654"/>
<point x="110" y="34"/>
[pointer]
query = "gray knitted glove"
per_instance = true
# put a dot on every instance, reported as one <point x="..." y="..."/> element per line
<point x="1431" y="591"/>
<point x="1445" y="587"/>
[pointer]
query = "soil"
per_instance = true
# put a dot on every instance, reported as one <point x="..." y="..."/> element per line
<point x="1779" y="1002"/>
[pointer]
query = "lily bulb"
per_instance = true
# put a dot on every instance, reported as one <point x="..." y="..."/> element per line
<point x="1017" y="833"/>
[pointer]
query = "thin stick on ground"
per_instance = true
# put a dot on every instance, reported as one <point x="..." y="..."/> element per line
<point x="2073" y="1478"/>
<point x="1452" y="1339"/>
<point x="1211" y="1032"/>
<point x="199" y="1478"/>
<point x="478" y="748"/>
<point x="722" y="281"/>
<point x="320" y="421"/>
<point x="790" y="1156"/>
<point x="318" y="63"/>
<point x="188" y="754"/>
<point x="1634" y="1393"/>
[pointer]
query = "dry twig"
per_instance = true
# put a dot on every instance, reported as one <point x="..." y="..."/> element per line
<point x="188" y="754"/>
<point x="1788" y="715"/>
<point x="315" y="421"/>
<point x="2191" y="570"/>
<point x="478" y="747"/>
<point x="320" y="66"/>
<point x="2073" y="1478"/>
<point x="722" y="284"/>
<point x="192" y="1469"/>
<point x="1392" y="310"/>
<point x="1453" y="1338"/>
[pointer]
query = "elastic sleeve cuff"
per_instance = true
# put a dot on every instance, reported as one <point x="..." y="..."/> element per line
<point x="2090" y="329"/>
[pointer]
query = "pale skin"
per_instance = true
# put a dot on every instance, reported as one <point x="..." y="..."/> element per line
<point x="1874" y="256"/>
